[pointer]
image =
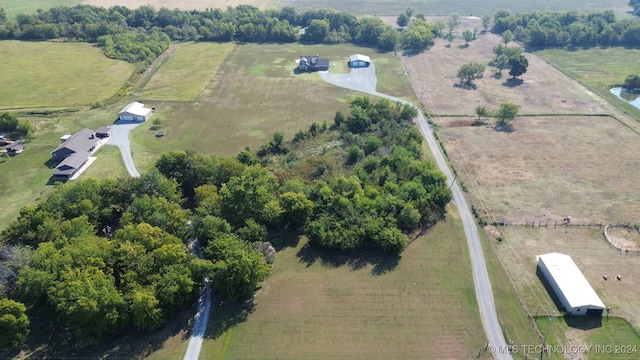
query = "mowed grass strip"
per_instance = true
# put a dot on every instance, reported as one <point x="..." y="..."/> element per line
<point x="108" y="164"/>
<point x="254" y="94"/>
<point x="50" y="74"/>
<point x="186" y="72"/>
<point x="598" y="69"/>
<point x="323" y="306"/>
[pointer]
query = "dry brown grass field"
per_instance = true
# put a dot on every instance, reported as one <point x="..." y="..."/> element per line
<point x="555" y="160"/>
<point x="593" y="255"/>
<point x="181" y="4"/>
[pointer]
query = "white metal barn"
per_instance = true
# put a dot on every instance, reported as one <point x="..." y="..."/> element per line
<point x="569" y="284"/>
<point x="134" y="111"/>
<point x="358" y="61"/>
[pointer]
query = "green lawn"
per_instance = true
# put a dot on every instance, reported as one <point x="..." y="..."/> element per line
<point x="462" y="7"/>
<point x="601" y="339"/>
<point x="322" y="306"/>
<point x="15" y="7"/>
<point x="54" y="74"/>
<point x="254" y="94"/>
<point x="598" y="69"/>
<point x="108" y="164"/>
<point x="185" y="74"/>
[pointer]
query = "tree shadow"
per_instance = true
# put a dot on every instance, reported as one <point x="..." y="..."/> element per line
<point x="497" y="75"/>
<point x="282" y="239"/>
<point x="512" y="82"/>
<point x="463" y="46"/>
<point x="507" y="128"/>
<point x="225" y="316"/>
<point x="471" y="86"/>
<point x="382" y="262"/>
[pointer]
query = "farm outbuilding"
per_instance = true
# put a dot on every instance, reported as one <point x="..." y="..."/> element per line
<point x="135" y="111"/>
<point x="359" y="61"/>
<point x="569" y="284"/>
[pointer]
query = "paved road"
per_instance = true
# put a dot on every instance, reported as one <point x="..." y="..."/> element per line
<point x="120" y="137"/>
<point x="364" y="80"/>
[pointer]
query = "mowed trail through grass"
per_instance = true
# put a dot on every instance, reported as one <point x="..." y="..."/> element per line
<point x="53" y="74"/>
<point x="324" y="306"/>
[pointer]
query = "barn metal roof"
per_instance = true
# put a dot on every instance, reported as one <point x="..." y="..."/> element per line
<point x="570" y="280"/>
<point x="356" y="57"/>
<point x="135" y="108"/>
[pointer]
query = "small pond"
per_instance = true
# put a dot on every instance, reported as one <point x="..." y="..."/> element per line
<point x="631" y="98"/>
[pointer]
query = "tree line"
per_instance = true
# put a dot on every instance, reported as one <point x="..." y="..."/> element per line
<point x="560" y="29"/>
<point x="102" y="256"/>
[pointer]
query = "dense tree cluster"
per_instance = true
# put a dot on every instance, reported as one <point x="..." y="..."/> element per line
<point x="104" y="255"/>
<point x="632" y="82"/>
<point x="16" y="128"/>
<point x="558" y="29"/>
<point x="635" y="4"/>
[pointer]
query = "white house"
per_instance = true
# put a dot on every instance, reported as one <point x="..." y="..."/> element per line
<point x="569" y="284"/>
<point x="358" y="61"/>
<point x="135" y="111"/>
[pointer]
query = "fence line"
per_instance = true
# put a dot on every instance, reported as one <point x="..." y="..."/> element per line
<point x="625" y="250"/>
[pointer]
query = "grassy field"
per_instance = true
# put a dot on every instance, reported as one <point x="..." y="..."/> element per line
<point x="610" y="339"/>
<point x="108" y="164"/>
<point x="186" y="72"/>
<point x="15" y="7"/>
<point x="463" y="7"/>
<point x="254" y="94"/>
<point x="598" y="69"/>
<point x="50" y="74"/>
<point x="320" y="306"/>
<point x="386" y="7"/>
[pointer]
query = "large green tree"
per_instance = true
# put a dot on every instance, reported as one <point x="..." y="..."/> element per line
<point x="471" y="71"/>
<point x="507" y="112"/>
<point x="237" y="267"/>
<point x="519" y="65"/>
<point x="632" y="81"/>
<point x="14" y="323"/>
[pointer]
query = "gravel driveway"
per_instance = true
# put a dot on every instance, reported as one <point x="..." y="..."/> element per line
<point x="120" y="137"/>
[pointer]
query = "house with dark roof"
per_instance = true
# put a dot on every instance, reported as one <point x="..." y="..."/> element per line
<point x="15" y="148"/>
<point x="313" y="63"/>
<point x="74" y="153"/>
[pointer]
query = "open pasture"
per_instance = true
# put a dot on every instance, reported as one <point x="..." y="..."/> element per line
<point x="186" y="71"/>
<point x="590" y="251"/>
<point x="54" y="74"/>
<point x="255" y="93"/>
<point x="463" y="7"/>
<point x="182" y="4"/>
<point x="598" y="69"/>
<point x="324" y="306"/>
<point x="543" y="90"/>
<point x="15" y="7"/>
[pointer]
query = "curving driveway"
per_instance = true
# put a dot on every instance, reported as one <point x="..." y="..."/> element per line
<point x="120" y="137"/>
<point x="364" y="80"/>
